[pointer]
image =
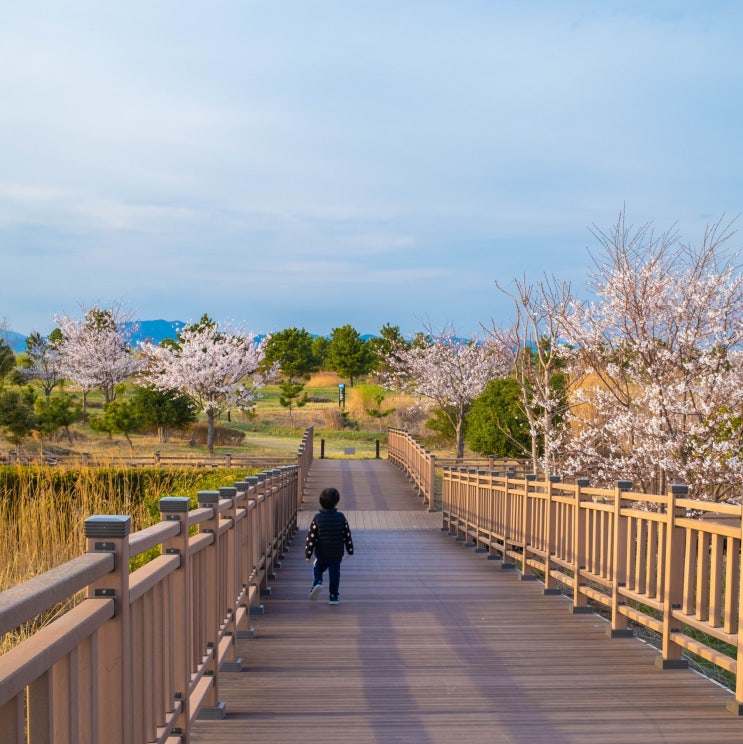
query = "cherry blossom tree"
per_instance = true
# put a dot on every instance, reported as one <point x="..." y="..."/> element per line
<point x="447" y="370"/>
<point x="44" y="362"/>
<point x="661" y="352"/>
<point x="95" y="350"/>
<point x="538" y="363"/>
<point x="217" y="368"/>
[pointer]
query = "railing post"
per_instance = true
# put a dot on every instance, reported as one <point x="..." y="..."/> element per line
<point x="508" y="523"/>
<point x="527" y="572"/>
<point x="253" y="538"/>
<point x="432" y="484"/>
<point x="446" y="486"/>
<point x="263" y="490"/>
<point x="479" y="525"/>
<point x="619" y="627"/>
<point x="580" y="528"/>
<point x="245" y="558"/>
<point x="212" y="707"/>
<point x="273" y="497"/>
<point x="232" y="579"/>
<point x="301" y="475"/>
<point x="175" y="509"/>
<point x="550" y="585"/>
<point x="736" y="706"/>
<point x="110" y="534"/>
<point x="674" y="570"/>
<point x="470" y="509"/>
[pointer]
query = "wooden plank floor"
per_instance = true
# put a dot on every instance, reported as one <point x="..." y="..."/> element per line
<point x="433" y="643"/>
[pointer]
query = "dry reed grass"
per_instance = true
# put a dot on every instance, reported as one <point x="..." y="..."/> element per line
<point x="42" y="527"/>
<point x="43" y="511"/>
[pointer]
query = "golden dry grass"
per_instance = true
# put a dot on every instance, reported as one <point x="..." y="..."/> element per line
<point x="324" y="379"/>
<point x="41" y="526"/>
<point x="43" y="510"/>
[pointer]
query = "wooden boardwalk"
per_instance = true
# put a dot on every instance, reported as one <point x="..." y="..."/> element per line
<point x="433" y="643"/>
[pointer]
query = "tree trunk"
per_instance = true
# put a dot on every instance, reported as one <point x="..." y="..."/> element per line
<point x="210" y="430"/>
<point x="460" y="438"/>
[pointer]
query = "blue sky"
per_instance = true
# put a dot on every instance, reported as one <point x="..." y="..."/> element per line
<point x="313" y="163"/>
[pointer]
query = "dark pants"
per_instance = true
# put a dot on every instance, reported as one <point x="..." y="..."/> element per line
<point x="334" y="574"/>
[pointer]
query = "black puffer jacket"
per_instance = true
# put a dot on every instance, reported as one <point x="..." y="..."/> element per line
<point x="329" y="533"/>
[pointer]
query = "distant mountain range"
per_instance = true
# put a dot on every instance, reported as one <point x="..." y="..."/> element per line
<point x="156" y="330"/>
<point x="148" y="330"/>
<point x="16" y="341"/>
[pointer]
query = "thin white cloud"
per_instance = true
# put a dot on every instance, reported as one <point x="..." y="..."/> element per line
<point x="396" y="156"/>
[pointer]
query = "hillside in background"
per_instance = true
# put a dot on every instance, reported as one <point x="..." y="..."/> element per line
<point x="16" y="341"/>
<point x="156" y="330"/>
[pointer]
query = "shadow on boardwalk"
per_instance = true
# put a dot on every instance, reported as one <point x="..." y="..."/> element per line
<point x="434" y="644"/>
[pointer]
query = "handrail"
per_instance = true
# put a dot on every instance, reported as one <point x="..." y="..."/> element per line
<point x="666" y="562"/>
<point x="85" y="459"/>
<point x="417" y="462"/>
<point x="32" y="597"/>
<point x="143" y="654"/>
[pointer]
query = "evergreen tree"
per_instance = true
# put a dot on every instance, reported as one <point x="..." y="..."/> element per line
<point x="7" y="360"/>
<point x="320" y="347"/>
<point x="291" y="395"/>
<point x="164" y="410"/>
<point x="496" y="424"/>
<point x="291" y="349"/>
<point x="59" y="412"/>
<point x="118" y="416"/>
<point x="17" y="418"/>
<point x="385" y="344"/>
<point x="348" y="354"/>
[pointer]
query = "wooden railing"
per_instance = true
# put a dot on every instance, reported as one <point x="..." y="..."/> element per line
<point x="421" y="466"/>
<point x="666" y="562"/>
<point x="417" y="462"/>
<point x="143" y="653"/>
<point x="228" y="460"/>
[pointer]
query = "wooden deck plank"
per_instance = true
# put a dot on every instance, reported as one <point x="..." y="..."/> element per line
<point x="435" y="644"/>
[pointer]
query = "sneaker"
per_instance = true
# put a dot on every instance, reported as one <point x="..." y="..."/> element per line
<point x="335" y="600"/>
<point x="315" y="593"/>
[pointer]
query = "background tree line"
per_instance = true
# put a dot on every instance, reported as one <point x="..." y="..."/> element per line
<point x="207" y="368"/>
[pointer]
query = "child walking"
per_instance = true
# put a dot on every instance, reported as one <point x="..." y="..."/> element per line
<point x="328" y="535"/>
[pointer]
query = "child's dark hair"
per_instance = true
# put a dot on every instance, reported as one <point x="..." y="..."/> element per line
<point x="329" y="498"/>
